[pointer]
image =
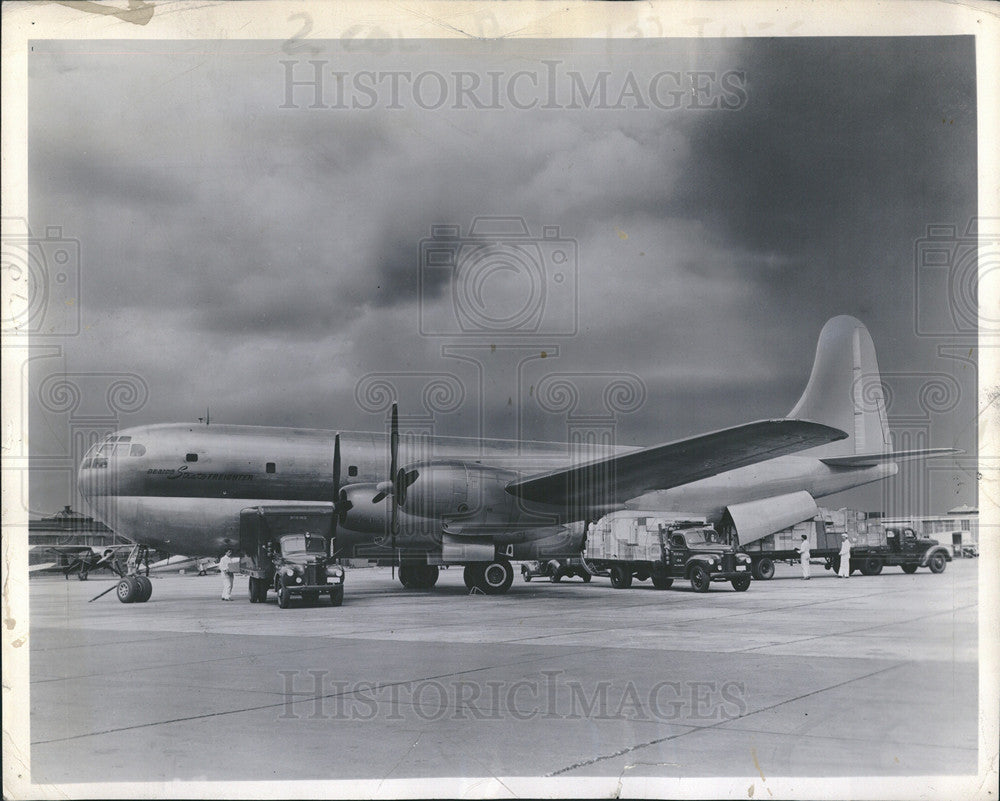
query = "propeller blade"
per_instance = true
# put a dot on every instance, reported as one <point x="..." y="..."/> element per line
<point x="336" y="491"/>
<point x="393" y="460"/>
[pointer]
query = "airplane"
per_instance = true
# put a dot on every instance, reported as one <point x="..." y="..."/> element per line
<point x="183" y="488"/>
<point x="81" y="559"/>
<point x="174" y="564"/>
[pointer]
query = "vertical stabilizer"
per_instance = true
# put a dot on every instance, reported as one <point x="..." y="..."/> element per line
<point x="845" y="390"/>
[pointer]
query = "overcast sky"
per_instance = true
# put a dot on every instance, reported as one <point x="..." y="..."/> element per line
<point x="261" y="260"/>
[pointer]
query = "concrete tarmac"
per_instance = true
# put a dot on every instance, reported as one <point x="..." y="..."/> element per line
<point x="865" y="676"/>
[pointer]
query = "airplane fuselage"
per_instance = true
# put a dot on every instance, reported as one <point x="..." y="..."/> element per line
<point x="181" y="487"/>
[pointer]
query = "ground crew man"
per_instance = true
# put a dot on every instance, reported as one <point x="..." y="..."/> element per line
<point x="227" y="568"/>
<point x="804" y="555"/>
<point x="845" y="557"/>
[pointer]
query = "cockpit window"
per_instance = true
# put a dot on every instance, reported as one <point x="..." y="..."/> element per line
<point x="137" y="450"/>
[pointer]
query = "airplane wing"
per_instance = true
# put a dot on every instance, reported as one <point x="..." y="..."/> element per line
<point x="616" y="479"/>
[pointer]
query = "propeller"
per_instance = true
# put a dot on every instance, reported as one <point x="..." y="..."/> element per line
<point x="338" y="509"/>
<point x="399" y="480"/>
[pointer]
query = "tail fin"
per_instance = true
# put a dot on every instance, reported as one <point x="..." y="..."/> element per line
<point x="845" y="391"/>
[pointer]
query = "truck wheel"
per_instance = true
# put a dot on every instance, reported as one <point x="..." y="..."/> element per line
<point x="556" y="577"/>
<point x="127" y="590"/>
<point x="700" y="579"/>
<point x="254" y="591"/>
<point x="586" y="577"/>
<point x="284" y="596"/>
<point x="262" y="587"/>
<point x="621" y="577"/>
<point x="937" y="563"/>
<point x="310" y="598"/>
<point x="337" y="596"/>
<point x="763" y="570"/>
<point x="525" y="574"/>
<point x="661" y="581"/>
<point x="872" y="566"/>
<point x="741" y="584"/>
<point x="909" y="568"/>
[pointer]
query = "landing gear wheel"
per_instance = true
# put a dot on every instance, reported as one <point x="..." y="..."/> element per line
<point x="661" y="581"/>
<point x="741" y="584"/>
<point x="909" y="568"/>
<point x="429" y="576"/>
<point x="337" y="596"/>
<point x="497" y="576"/>
<point x="700" y="579"/>
<point x="937" y="563"/>
<point x="764" y="570"/>
<point x="871" y="566"/>
<point x="284" y="596"/>
<point x="621" y="577"/>
<point x="145" y="589"/>
<point x="128" y="590"/>
<point x="404" y="576"/>
<point x="472" y="575"/>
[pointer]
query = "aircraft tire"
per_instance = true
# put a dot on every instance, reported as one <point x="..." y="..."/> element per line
<point x="127" y="590"/>
<point x="430" y="576"/>
<point x="496" y="576"/>
<point x="556" y="577"/>
<point x="472" y="574"/>
<point x="404" y="575"/>
<point x="145" y="589"/>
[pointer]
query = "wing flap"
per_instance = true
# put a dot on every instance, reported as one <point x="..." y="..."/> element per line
<point x="616" y="479"/>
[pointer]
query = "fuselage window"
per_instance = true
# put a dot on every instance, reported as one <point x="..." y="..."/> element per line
<point x="191" y="457"/>
<point x="270" y="467"/>
<point x="137" y="450"/>
<point x="352" y="471"/>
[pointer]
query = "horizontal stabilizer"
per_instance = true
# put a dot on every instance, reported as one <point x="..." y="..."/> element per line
<point x="872" y="459"/>
<point x="619" y="478"/>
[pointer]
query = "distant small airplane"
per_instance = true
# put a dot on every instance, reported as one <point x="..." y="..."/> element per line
<point x="183" y="488"/>
<point x="174" y="564"/>
<point x="83" y="559"/>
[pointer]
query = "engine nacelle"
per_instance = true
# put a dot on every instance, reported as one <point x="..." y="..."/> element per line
<point x="457" y="490"/>
<point x="756" y="519"/>
<point x="358" y="513"/>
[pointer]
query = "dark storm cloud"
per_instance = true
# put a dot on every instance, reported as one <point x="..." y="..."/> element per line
<point x="262" y="260"/>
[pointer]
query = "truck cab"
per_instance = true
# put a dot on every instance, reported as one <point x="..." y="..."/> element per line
<point x="292" y="552"/>
<point x="702" y="555"/>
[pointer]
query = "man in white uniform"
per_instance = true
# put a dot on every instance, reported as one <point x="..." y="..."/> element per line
<point x="804" y="554"/>
<point x="228" y="573"/>
<point x="845" y="557"/>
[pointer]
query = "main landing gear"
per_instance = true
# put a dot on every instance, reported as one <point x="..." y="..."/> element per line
<point x="491" y="578"/>
<point x="417" y="575"/>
